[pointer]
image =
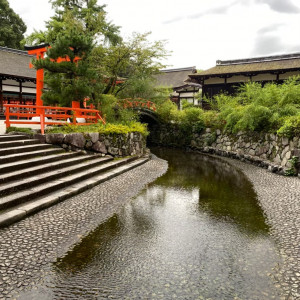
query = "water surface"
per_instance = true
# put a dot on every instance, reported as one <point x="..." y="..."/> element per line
<point x="195" y="233"/>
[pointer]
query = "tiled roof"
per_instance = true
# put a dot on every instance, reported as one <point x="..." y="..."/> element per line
<point x="262" y="64"/>
<point x="16" y="63"/>
<point x="174" y="77"/>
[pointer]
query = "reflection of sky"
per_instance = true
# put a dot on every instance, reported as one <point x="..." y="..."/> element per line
<point x="164" y="243"/>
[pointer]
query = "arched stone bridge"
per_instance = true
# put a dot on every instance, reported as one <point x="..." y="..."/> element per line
<point x="146" y="109"/>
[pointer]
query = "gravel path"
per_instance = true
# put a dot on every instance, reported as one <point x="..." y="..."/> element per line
<point x="29" y="247"/>
<point x="279" y="198"/>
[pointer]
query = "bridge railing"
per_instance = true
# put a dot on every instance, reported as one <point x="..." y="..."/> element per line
<point x="50" y="115"/>
<point x="138" y="103"/>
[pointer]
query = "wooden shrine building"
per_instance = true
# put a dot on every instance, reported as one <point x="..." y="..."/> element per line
<point x="227" y="75"/>
<point x="17" y="80"/>
<point x="179" y="81"/>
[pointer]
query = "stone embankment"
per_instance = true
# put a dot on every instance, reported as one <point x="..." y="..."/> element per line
<point x="265" y="150"/>
<point x="118" y="145"/>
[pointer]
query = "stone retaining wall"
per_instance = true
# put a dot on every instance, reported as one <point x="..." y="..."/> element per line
<point x="265" y="150"/>
<point x="118" y="145"/>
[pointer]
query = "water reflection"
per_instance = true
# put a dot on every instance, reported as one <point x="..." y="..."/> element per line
<point x="224" y="191"/>
<point x="195" y="233"/>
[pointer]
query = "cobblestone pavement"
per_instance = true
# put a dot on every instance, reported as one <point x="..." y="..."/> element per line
<point x="29" y="247"/>
<point x="279" y="198"/>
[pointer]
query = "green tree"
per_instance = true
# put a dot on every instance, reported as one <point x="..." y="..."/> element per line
<point x="86" y="16"/>
<point x="135" y="61"/>
<point x="70" y="80"/>
<point x="73" y="31"/>
<point x="12" y="27"/>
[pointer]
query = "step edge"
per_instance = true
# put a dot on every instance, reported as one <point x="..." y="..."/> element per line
<point x="28" y="209"/>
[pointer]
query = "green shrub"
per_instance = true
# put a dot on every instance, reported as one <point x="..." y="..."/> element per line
<point x="254" y="118"/>
<point x="185" y="104"/>
<point x="291" y="127"/>
<point x="211" y="119"/>
<point x="107" y="129"/>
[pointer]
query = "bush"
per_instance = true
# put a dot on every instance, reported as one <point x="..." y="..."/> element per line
<point x="103" y="129"/>
<point x="257" y="108"/>
<point x="291" y="127"/>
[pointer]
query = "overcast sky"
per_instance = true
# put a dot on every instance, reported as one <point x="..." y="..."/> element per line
<point x="198" y="32"/>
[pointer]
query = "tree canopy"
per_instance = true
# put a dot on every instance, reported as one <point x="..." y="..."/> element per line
<point x="79" y="28"/>
<point x="12" y="27"/>
<point x="135" y="61"/>
<point x="86" y="16"/>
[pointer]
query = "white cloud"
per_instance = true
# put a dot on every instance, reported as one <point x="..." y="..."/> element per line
<point x="198" y="31"/>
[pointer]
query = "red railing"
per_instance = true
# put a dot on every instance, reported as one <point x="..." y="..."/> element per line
<point x="138" y="103"/>
<point x="50" y="115"/>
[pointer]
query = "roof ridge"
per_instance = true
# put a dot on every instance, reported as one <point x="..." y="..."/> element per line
<point x="16" y="51"/>
<point x="257" y="59"/>
<point x="178" y="69"/>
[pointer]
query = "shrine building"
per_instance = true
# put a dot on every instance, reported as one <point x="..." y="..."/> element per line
<point x="227" y="75"/>
<point x="17" y="80"/>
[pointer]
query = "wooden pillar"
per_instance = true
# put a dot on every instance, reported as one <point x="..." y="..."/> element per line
<point x="20" y="92"/>
<point x="1" y="95"/>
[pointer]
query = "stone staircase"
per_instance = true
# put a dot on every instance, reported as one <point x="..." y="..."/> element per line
<point x="34" y="176"/>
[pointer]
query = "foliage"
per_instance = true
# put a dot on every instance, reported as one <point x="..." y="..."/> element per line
<point x="112" y="111"/>
<point x="185" y="104"/>
<point x="290" y="127"/>
<point x="67" y="81"/>
<point x="84" y="16"/>
<point x="293" y="170"/>
<point x="19" y="129"/>
<point x="12" y="27"/>
<point x="102" y="129"/>
<point x="75" y="29"/>
<point x="167" y="111"/>
<point x="261" y="108"/>
<point x="135" y="60"/>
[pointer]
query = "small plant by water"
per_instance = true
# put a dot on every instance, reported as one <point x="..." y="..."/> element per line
<point x="293" y="170"/>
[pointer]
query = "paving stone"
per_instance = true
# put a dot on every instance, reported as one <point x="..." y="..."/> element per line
<point x="37" y="241"/>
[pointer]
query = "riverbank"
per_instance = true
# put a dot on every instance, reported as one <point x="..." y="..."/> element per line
<point x="28" y="248"/>
<point x="279" y="198"/>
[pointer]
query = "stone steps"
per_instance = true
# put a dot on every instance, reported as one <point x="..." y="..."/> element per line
<point x="27" y="163"/>
<point x="38" y="177"/>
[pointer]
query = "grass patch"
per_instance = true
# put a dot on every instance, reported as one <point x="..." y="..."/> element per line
<point x="19" y="129"/>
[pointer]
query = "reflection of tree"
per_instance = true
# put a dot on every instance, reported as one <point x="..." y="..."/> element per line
<point x="224" y="191"/>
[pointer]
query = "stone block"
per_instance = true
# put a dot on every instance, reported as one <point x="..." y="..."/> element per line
<point x="252" y="152"/>
<point x="54" y="138"/>
<point x="285" y="141"/>
<point x="94" y="136"/>
<point x="100" y="147"/>
<point x="76" y="139"/>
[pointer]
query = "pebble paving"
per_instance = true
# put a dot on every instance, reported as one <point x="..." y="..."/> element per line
<point x="29" y="247"/>
<point x="279" y="198"/>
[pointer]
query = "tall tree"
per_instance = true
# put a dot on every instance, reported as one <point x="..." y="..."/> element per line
<point x="72" y="32"/>
<point x="85" y="15"/>
<point x="134" y="60"/>
<point x="71" y="79"/>
<point x="12" y="27"/>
